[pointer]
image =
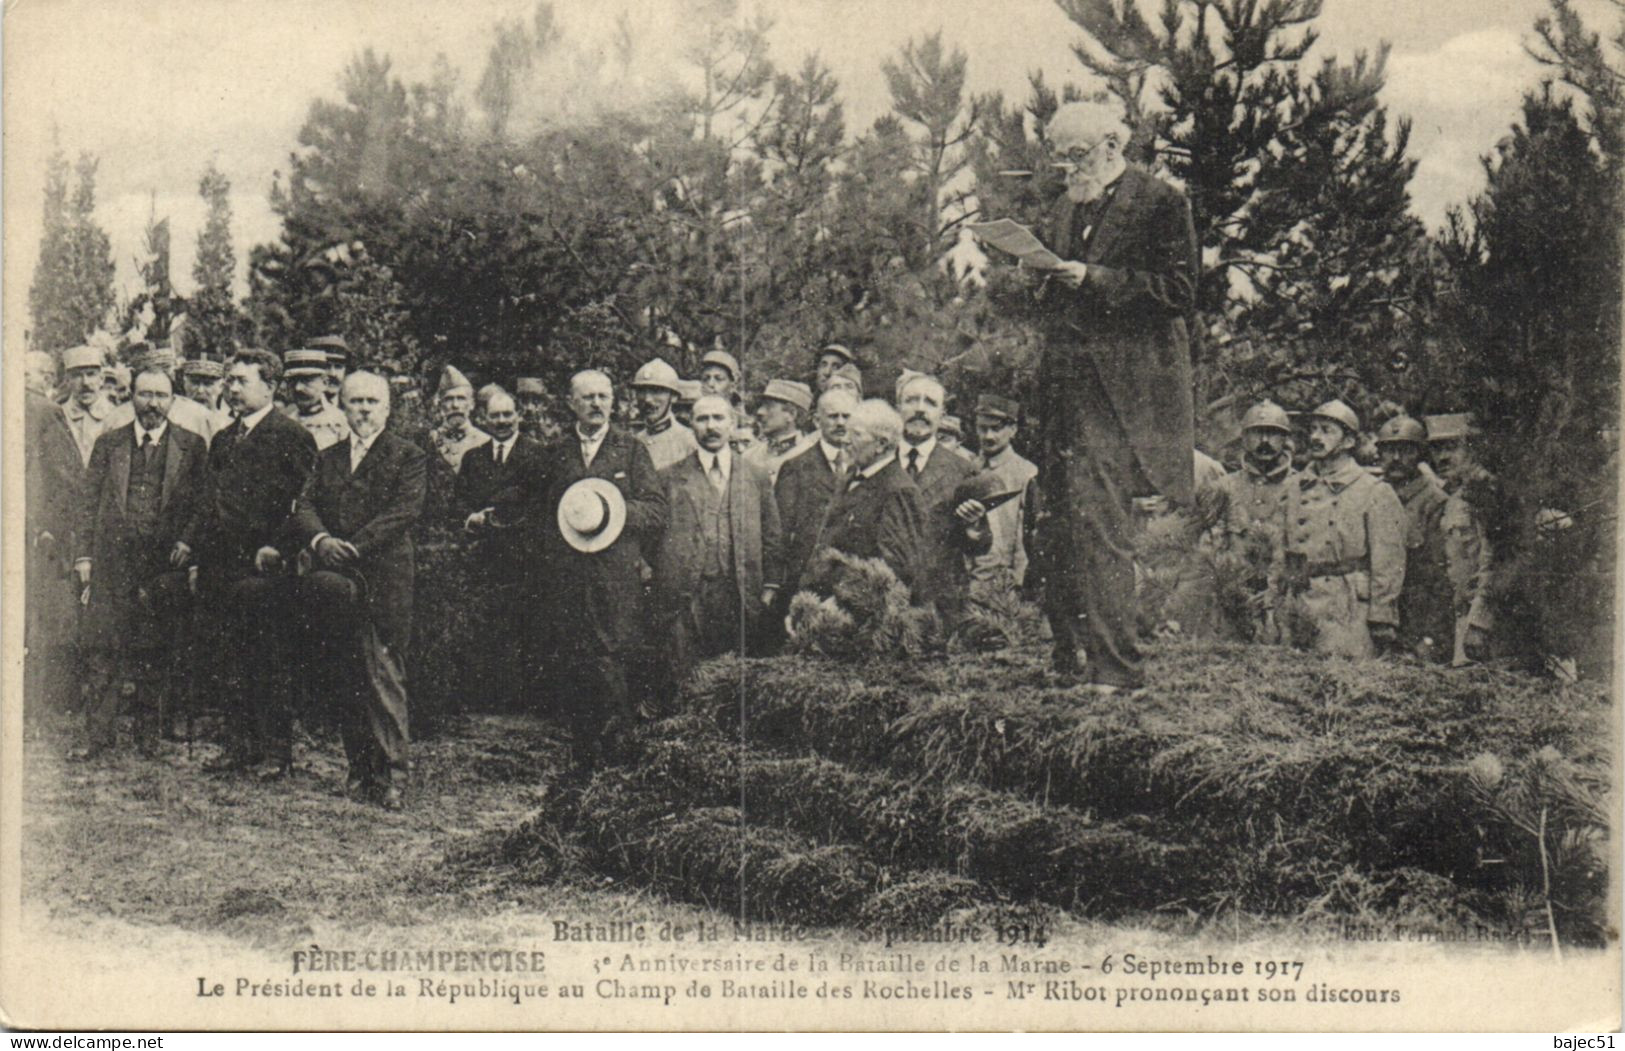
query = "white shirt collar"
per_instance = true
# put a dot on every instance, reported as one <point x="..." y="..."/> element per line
<point x="724" y="458"/>
<point x="359" y="447"/>
<point x="157" y="432"/>
<point x="876" y="467"/>
<point x="591" y="439"/>
<point x="253" y="419"/>
<point x="926" y="448"/>
<point x="832" y="455"/>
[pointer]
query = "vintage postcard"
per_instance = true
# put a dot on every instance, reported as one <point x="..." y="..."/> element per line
<point x="1087" y="515"/>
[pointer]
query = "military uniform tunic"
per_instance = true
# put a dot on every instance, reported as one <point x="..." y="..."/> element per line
<point x="1340" y="564"/>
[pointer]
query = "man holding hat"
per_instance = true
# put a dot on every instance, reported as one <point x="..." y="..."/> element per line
<point x="719" y="375"/>
<point x="356" y="517"/>
<point x="1340" y="563"/>
<point x="306" y="371"/>
<point x="717" y="571"/>
<point x="831" y="357"/>
<point x="655" y="387"/>
<point x="1469" y="558"/>
<point x="598" y="505"/>
<point x="779" y="412"/>
<point x="454" y="435"/>
<point x="998" y="573"/>
<point x="1425" y="621"/>
<point x="85" y="408"/>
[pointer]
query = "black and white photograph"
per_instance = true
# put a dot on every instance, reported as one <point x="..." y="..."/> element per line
<point x="543" y="515"/>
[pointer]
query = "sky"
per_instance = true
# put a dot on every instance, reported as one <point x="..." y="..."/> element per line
<point x="158" y="88"/>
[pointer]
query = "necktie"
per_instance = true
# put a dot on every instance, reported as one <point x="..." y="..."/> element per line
<point x="914" y="463"/>
<point x="146" y="449"/>
<point x="501" y="451"/>
<point x="717" y="480"/>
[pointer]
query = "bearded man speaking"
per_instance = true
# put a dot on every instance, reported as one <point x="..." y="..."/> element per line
<point x="1115" y="381"/>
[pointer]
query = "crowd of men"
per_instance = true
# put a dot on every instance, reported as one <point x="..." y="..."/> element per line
<point x="273" y="504"/>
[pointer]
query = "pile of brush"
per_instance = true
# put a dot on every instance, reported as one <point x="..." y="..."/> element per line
<point x="1250" y="779"/>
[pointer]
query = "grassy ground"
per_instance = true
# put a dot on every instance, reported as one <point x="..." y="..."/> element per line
<point x="156" y="843"/>
<point x="1253" y="790"/>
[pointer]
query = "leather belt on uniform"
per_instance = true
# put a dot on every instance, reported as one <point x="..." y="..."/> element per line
<point x="1335" y="569"/>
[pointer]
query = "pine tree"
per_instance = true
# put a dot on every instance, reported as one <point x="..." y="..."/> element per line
<point x="1217" y="96"/>
<point x="50" y="297"/>
<point x="927" y="85"/>
<point x="212" y="316"/>
<point x="72" y="292"/>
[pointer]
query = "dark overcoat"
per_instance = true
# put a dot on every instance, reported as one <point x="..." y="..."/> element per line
<point x="254" y="479"/>
<point x="878" y="517"/>
<point x="375" y="509"/>
<point x="805" y="486"/>
<point x="124" y="558"/>
<point x="592" y="604"/>
<point x="1124" y="331"/>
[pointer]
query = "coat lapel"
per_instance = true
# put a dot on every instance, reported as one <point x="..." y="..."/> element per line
<point x="1113" y="220"/>
<point x="373" y="454"/>
<point x="121" y="468"/>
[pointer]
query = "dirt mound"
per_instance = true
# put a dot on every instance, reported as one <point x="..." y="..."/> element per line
<point x="1250" y="779"/>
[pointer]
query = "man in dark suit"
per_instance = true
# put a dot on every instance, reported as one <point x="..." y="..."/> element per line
<point x="717" y="571"/>
<point x="145" y="489"/>
<point x="938" y="472"/>
<point x="54" y="474"/>
<point x="258" y="465"/>
<point x="355" y="517"/>
<point x="806" y="484"/>
<point x="591" y="600"/>
<point x="878" y="513"/>
<point x="497" y="552"/>
<point x="1115" y="384"/>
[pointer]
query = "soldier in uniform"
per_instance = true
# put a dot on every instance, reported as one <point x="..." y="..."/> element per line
<point x="1340" y="563"/>
<point x="1245" y="517"/>
<point x="85" y="408"/>
<point x="1469" y="558"/>
<point x="848" y="378"/>
<point x="779" y="412"/>
<point x="338" y="364"/>
<point x="116" y="384"/>
<point x="688" y="392"/>
<point x="719" y="375"/>
<point x="306" y="371"/>
<point x="1425" y="622"/>
<point x="455" y="435"/>
<point x="951" y="436"/>
<point x="655" y="387"/>
<point x="204" y="381"/>
<point x="830" y="358"/>
<point x="999" y="573"/>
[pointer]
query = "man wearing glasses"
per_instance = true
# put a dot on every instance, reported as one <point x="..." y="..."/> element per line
<point x="1115" y="379"/>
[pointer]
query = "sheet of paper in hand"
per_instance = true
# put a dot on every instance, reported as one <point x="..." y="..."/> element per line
<point x="1007" y="235"/>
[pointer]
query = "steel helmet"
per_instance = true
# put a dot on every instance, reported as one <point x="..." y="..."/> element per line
<point x="1267" y="415"/>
